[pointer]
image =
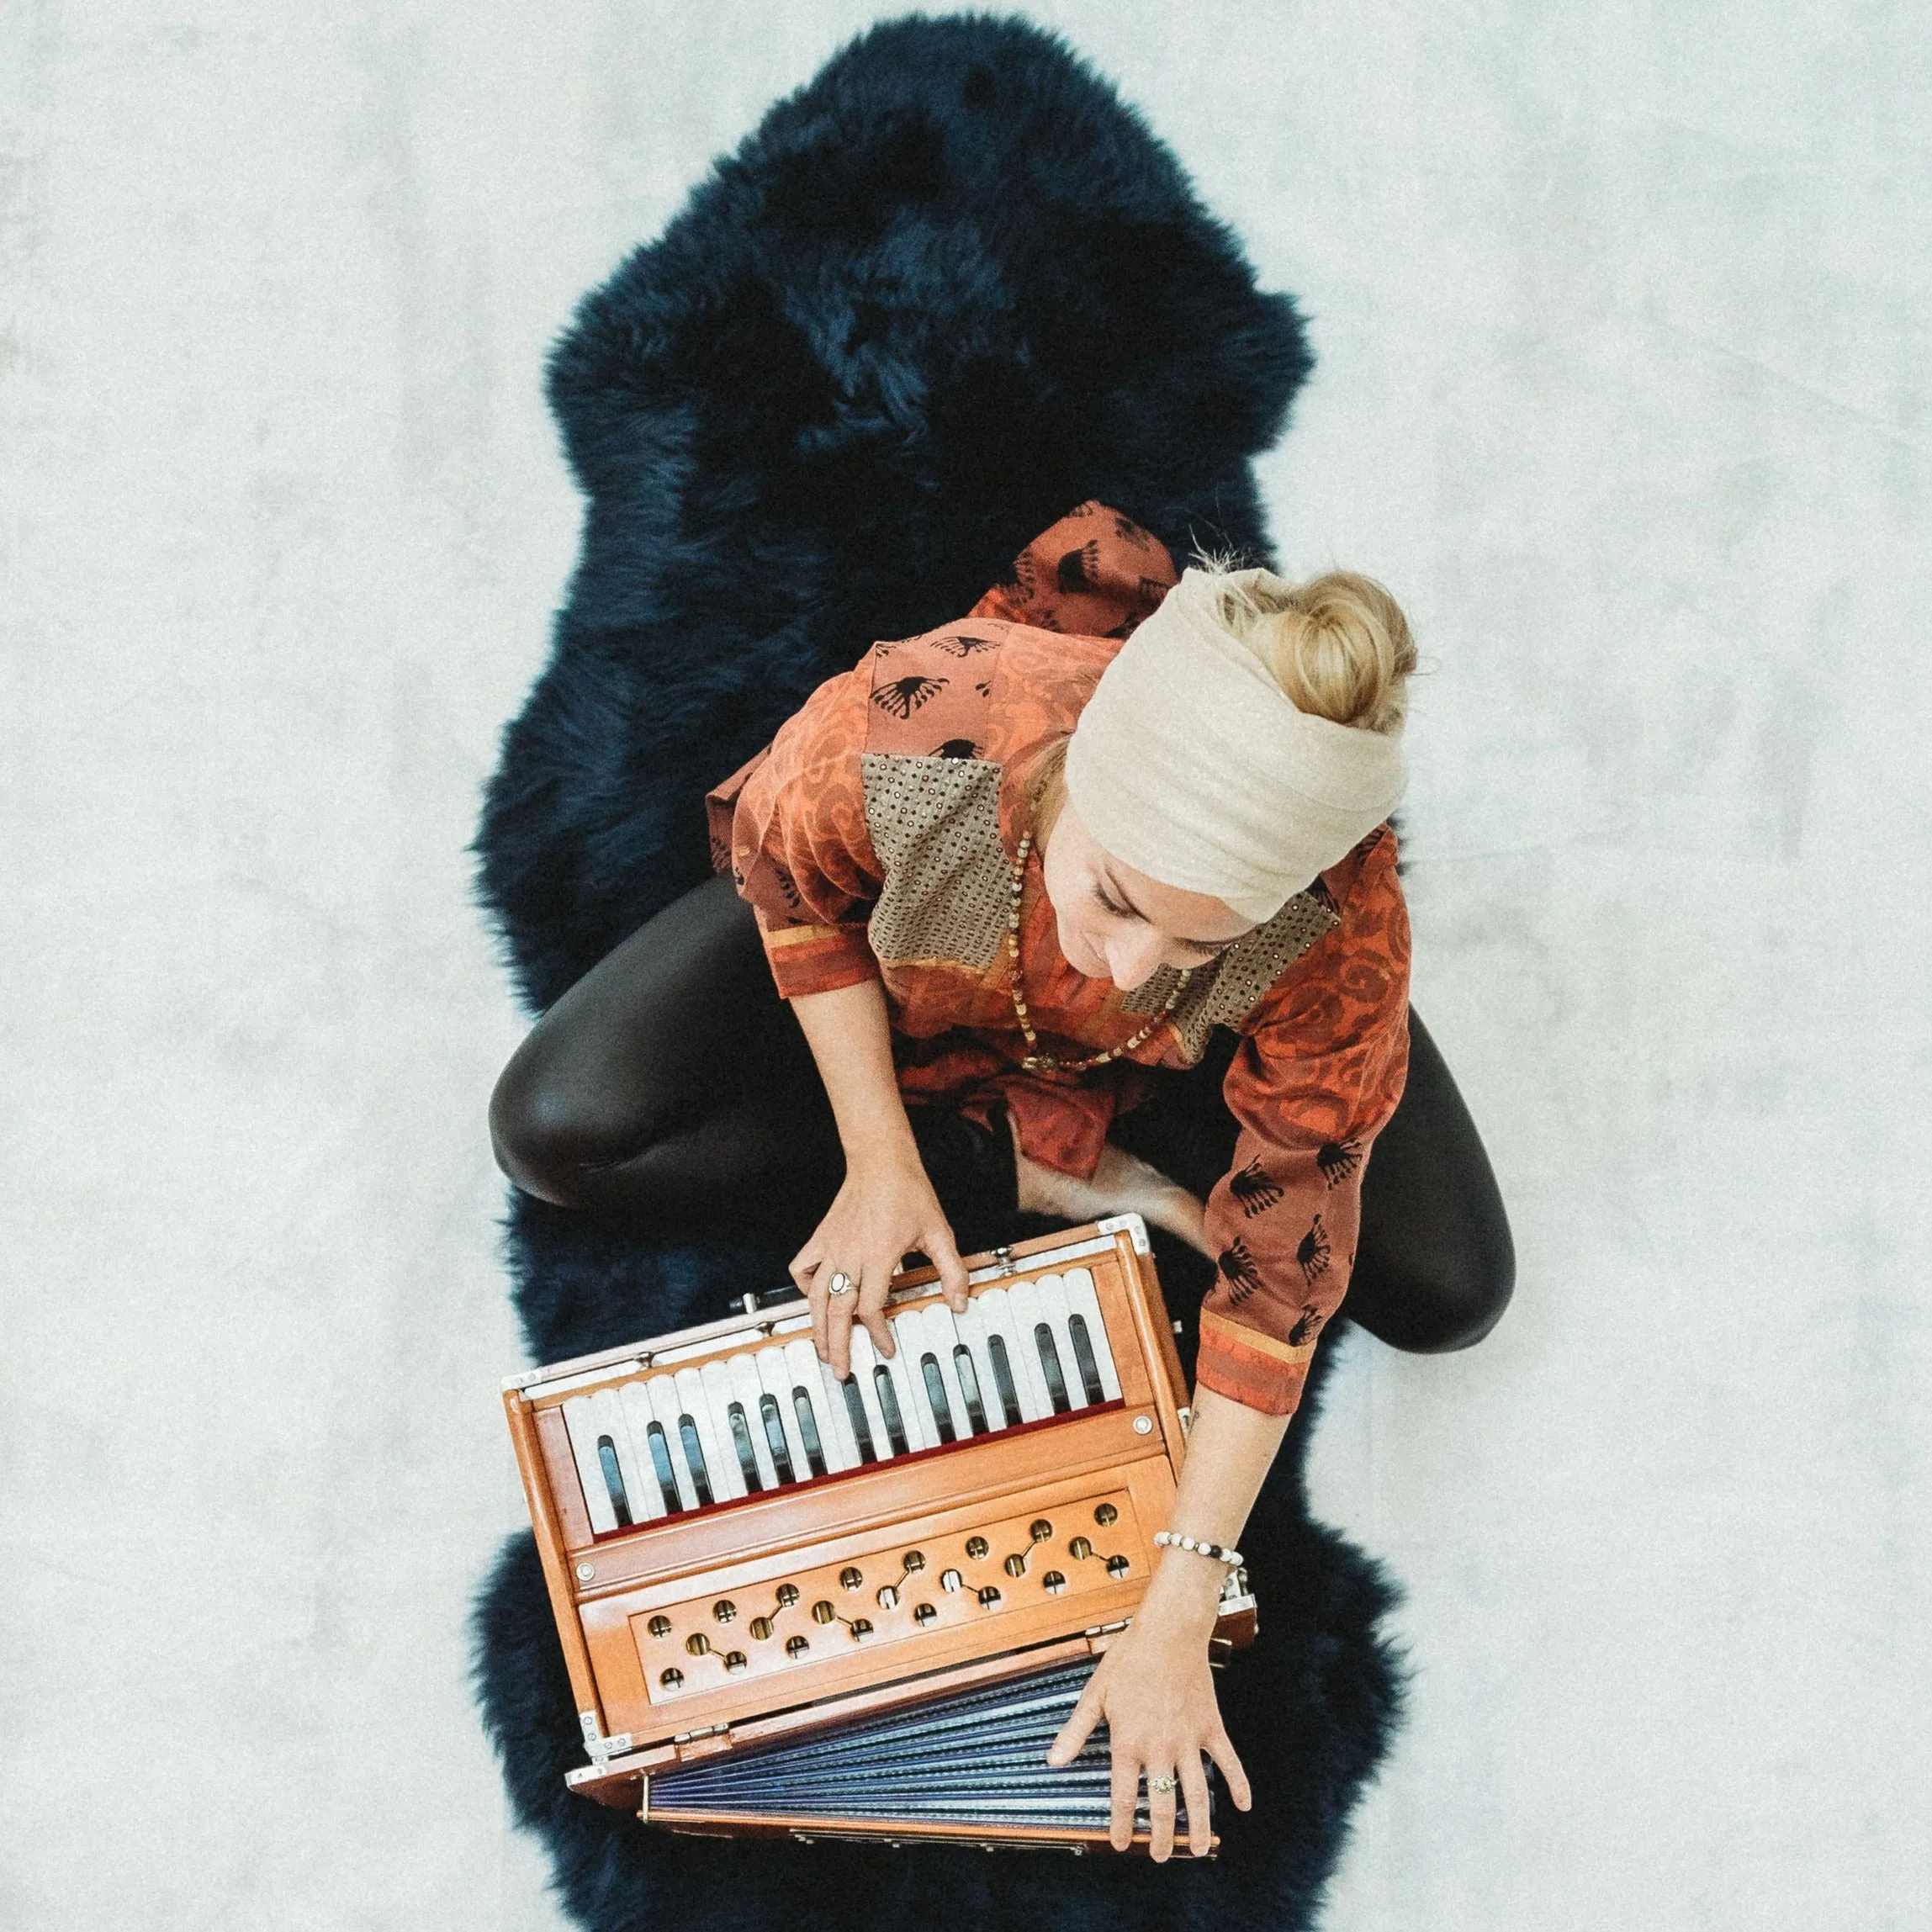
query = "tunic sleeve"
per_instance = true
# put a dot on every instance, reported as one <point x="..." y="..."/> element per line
<point x="790" y="829"/>
<point x="1317" y="1074"/>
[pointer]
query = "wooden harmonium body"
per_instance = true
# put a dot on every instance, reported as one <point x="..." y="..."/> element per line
<point x="794" y="1605"/>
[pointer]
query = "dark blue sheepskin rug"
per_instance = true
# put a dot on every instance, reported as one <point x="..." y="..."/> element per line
<point x="944" y="292"/>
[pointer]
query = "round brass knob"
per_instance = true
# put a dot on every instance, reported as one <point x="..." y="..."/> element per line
<point x="923" y="1613"/>
<point x="659" y="1627"/>
<point x="822" y="1611"/>
<point x="1053" y="1583"/>
<point x="1117" y="1566"/>
<point x="787" y="1594"/>
<point x="950" y="1580"/>
<point x="735" y="1661"/>
<point x="988" y="1595"/>
<point x="1106" y="1516"/>
<point x="977" y="1547"/>
<point x="888" y="1598"/>
<point x="697" y="1643"/>
<point x="760" y="1628"/>
<point x="915" y="1561"/>
<point x="796" y="1646"/>
<point x="861" y="1627"/>
<point x="1080" y="1549"/>
<point x="850" y="1578"/>
<point x="671" y="1679"/>
<point x="1016" y="1566"/>
<point x="724" y="1610"/>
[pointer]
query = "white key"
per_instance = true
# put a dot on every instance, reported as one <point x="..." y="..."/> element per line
<point x="1024" y="1298"/>
<point x="864" y="1360"/>
<point x="835" y="1423"/>
<point x="1053" y="1305"/>
<point x="665" y="1409"/>
<point x="802" y="1364"/>
<point x="909" y="1333"/>
<point x="972" y="1330"/>
<point x="640" y="1414"/>
<point x="938" y="1340"/>
<point x="993" y="1310"/>
<point x="914" y="1416"/>
<point x="606" y="1418"/>
<point x="640" y="1493"/>
<point x="1081" y="1300"/>
<point x="717" y="1468"/>
<point x="727" y="1472"/>
<point x="746" y="1387"/>
<point x="776" y="1376"/>
<point x="583" y="1432"/>
<point x="944" y="1340"/>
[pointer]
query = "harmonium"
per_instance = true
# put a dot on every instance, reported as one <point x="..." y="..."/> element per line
<point x="794" y="1606"/>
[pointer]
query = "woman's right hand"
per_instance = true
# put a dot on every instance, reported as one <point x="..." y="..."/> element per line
<point x="881" y="1212"/>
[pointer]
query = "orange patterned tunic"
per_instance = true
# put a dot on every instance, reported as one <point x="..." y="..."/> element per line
<point x="874" y="837"/>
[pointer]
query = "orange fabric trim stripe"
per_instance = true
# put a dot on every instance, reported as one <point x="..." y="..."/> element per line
<point x="796" y="935"/>
<point x="1234" y="1338"/>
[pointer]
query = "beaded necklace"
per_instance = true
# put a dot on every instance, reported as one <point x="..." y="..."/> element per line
<point x="1037" y="1061"/>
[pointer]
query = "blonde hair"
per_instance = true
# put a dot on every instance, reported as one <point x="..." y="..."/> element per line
<point x="1338" y="644"/>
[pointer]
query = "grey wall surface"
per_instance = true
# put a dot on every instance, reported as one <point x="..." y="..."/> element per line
<point x="1623" y="388"/>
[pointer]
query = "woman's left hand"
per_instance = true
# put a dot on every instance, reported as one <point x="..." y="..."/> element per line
<point x="1156" y="1694"/>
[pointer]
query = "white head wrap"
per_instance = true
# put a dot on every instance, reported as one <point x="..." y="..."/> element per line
<point x="1190" y="764"/>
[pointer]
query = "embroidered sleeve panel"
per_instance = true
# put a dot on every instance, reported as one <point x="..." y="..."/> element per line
<point x="1316" y="1075"/>
<point x="934" y="823"/>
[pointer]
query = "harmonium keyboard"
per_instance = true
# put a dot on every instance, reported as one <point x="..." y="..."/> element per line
<point x="797" y="1606"/>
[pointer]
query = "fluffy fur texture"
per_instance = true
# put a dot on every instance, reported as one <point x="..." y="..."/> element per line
<point x="946" y="291"/>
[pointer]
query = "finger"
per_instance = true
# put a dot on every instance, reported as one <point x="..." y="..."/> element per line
<point x="1076" y="1730"/>
<point x="1161" y="1814"/>
<point x="1194" y="1789"/>
<point x="1126" y="1789"/>
<point x="942" y="1252"/>
<point x="1223" y="1753"/>
<point x="871" y="1311"/>
<point x="838" y="1350"/>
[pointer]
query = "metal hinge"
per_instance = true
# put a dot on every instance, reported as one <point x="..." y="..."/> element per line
<point x="596" y="1743"/>
<point x="1106" y="1629"/>
<point x="692" y="1737"/>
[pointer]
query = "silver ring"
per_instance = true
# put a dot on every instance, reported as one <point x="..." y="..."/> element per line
<point x="1161" y="1780"/>
<point x="840" y="1283"/>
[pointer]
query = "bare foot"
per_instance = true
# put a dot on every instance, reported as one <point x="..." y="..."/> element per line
<point x="1121" y="1183"/>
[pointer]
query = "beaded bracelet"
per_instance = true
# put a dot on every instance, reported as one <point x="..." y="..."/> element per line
<point x="1167" y="1540"/>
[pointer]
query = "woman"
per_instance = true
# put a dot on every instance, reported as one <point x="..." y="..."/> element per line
<point x="1010" y="877"/>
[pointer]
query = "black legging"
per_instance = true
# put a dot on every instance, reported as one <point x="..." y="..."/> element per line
<point x="671" y="1085"/>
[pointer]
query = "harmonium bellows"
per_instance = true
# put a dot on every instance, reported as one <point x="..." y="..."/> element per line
<point x="794" y="1605"/>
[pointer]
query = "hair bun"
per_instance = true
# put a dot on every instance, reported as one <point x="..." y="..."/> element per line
<point x="1341" y="649"/>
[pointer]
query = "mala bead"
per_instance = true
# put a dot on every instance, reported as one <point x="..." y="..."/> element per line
<point x="1037" y="1061"/>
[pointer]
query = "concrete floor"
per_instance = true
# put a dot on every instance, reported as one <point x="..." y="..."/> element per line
<point x="1622" y="387"/>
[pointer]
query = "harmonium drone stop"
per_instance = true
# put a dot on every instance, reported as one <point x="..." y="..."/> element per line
<point x="794" y="1606"/>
